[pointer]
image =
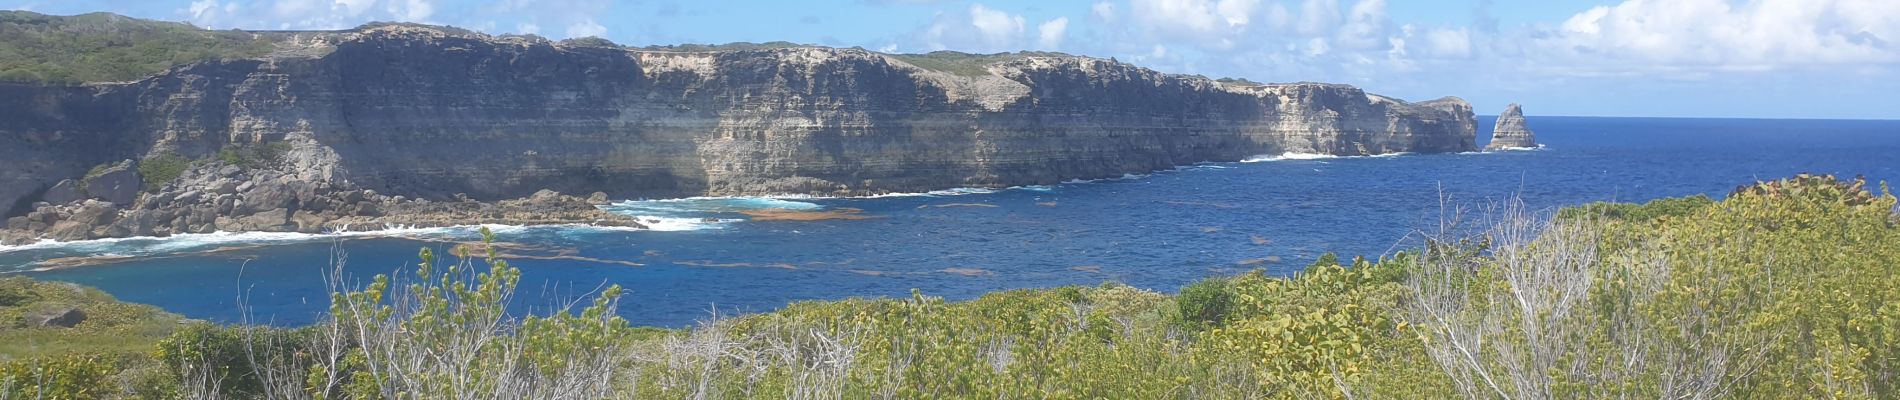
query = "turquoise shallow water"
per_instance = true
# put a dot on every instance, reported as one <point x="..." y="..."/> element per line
<point x="1158" y="231"/>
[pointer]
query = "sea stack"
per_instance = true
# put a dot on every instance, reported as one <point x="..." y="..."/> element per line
<point x="1510" y="132"/>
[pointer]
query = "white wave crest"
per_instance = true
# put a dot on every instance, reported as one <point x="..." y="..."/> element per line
<point x="1539" y="147"/>
<point x="1315" y="156"/>
<point x="700" y="206"/>
<point x="1288" y="156"/>
<point x="680" y="224"/>
<point x="186" y="242"/>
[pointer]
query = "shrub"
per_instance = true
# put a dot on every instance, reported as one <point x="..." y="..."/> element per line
<point x="57" y="377"/>
<point x="160" y="170"/>
<point x="1646" y="212"/>
<point x="1205" y="304"/>
<point x="260" y="155"/>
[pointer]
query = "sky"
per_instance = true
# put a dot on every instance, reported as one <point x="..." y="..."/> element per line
<point x="1639" y="58"/>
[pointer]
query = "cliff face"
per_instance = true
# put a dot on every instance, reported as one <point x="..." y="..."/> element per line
<point x="1510" y="132"/>
<point x="420" y="112"/>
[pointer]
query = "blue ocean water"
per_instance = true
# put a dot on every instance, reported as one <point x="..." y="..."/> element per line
<point x="1158" y="231"/>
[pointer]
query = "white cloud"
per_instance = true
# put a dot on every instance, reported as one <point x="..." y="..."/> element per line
<point x="1104" y="10"/>
<point x="1318" y="17"/>
<point x="1050" y="33"/>
<point x="1366" y="26"/>
<point x="527" y="28"/>
<point x="356" y="7"/>
<point x="997" y="28"/>
<point x="1195" y="19"/>
<point x="981" y="29"/>
<point x="1726" y="35"/>
<point x="304" y="14"/>
<point x="408" y="10"/>
<point x="585" y="27"/>
<point x="1448" y="43"/>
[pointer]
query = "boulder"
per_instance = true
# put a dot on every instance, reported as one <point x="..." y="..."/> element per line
<point x="95" y="213"/>
<point x="118" y="184"/>
<point x="69" y="230"/>
<point x="65" y="191"/>
<point x="63" y="317"/>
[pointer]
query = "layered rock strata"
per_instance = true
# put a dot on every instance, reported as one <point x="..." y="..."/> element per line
<point x="434" y="114"/>
<point x="1510" y="132"/>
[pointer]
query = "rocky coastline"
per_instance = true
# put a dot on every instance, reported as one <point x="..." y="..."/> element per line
<point x="426" y="126"/>
<point x="224" y="198"/>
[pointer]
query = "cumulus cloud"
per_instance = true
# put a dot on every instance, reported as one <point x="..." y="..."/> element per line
<point x="984" y="30"/>
<point x="996" y="28"/>
<point x="1366" y="26"/>
<point x="1104" y="10"/>
<point x="586" y="27"/>
<point x="1221" y="21"/>
<point x="304" y="14"/>
<point x="1757" y="34"/>
<point x="1049" y="34"/>
<point x="574" y="18"/>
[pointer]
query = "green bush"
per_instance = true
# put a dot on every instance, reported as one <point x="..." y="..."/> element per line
<point x="58" y="377"/>
<point x="160" y="170"/>
<point x="1646" y="212"/>
<point x="1205" y="304"/>
<point x="261" y="155"/>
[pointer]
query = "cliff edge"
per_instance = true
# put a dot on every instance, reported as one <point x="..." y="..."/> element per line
<point x="418" y="113"/>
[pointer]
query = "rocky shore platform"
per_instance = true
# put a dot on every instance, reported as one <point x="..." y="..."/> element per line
<point x="214" y="197"/>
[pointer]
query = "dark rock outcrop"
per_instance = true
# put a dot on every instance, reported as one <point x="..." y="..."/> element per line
<point x="1510" y="132"/>
<point x="118" y="184"/>
<point x="66" y="191"/>
<point x="419" y="115"/>
<point x="61" y="317"/>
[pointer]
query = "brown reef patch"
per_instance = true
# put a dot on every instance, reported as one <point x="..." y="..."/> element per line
<point x="800" y="215"/>
<point x="967" y="271"/>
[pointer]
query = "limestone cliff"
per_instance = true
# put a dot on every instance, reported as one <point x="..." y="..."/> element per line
<point x="1510" y="132"/>
<point x="430" y="113"/>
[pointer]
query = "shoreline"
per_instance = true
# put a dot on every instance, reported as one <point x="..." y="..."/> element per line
<point x="346" y="226"/>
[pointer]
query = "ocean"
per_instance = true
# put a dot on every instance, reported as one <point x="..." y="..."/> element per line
<point x="1159" y="231"/>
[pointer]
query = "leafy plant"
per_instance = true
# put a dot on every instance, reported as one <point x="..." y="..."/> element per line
<point x="160" y="170"/>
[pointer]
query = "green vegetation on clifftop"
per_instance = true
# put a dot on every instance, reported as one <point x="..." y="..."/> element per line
<point x="102" y="47"/>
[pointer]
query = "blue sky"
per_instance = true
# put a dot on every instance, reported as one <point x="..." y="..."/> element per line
<point x="1695" y="58"/>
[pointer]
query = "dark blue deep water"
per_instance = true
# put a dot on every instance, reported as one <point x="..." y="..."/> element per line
<point x="1159" y="231"/>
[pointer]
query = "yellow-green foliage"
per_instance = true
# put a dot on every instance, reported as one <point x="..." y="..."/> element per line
<point x="87" y="361"/>
<point x="162" y="169"/>
<point x="110" y="326"/>
<point x="254" y="155"/>
<point x="62" y="377"/>
<point x="1784" y="290"/>
<point x="1818" y="261"/>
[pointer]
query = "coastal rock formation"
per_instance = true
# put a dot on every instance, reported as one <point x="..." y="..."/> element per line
<point x="432" y="115"/>
<point x="212" y="198"/>
<point x="1511" y="132"/>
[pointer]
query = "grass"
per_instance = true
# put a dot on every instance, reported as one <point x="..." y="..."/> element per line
<point x="111" y="326"/>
